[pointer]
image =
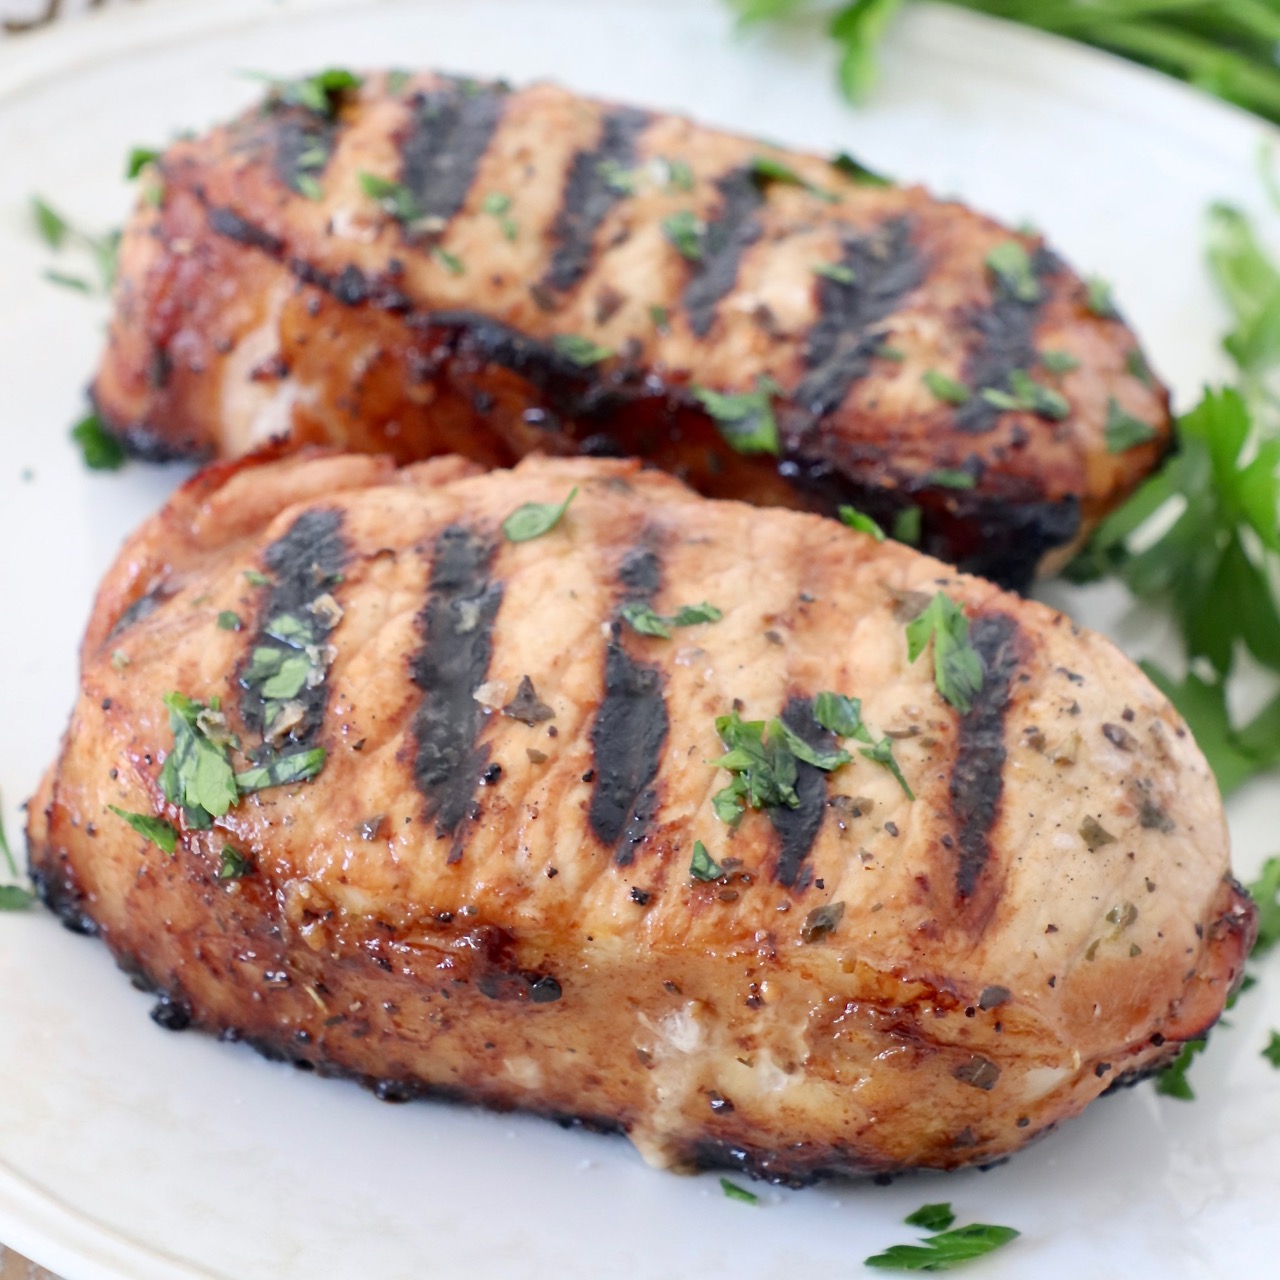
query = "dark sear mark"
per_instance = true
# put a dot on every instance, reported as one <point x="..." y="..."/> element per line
<point x="729" y="235"/>
<point x="1006" y="342"/>
<point x="630" y="727"/>
<point x="457" y="641"/>
<point x="842" y="343"/>
<point x="591" y="189"/>
<point x="798" y="828"/>
<point x="141" y="608"/>
<point x="224" y="222"/>
<point x="977" y="777"/>
<point x="446" y="140"/>
<point x="303" y="566"/>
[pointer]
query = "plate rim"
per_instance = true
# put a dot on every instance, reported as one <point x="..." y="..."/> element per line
<point x="35" y="1221"/>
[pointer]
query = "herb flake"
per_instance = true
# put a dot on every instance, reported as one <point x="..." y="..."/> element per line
<point x="99" y="449"/>
<point x="745" y="419"/>
<point x="162" y="834"/>
<point x="943" y="1251"/>
<point x="702" y="866"/>
<point x="957" y="665"/>
<point x="534" y="519"/>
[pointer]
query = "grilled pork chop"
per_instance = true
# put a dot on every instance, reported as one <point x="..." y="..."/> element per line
<point x="431" y="265"/>
<point x="578" y="824"/>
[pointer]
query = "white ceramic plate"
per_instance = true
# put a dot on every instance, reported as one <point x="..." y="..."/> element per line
<point x="128" y="1152"/>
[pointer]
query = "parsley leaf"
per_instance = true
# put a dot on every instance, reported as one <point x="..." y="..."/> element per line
<point x="882" y="753"/>
<point x="229" y="620"/>
<point x="1010" y="263"/>
<point x="767" y="169"/>
<point x="533" y="519"/>
<point x="843" y="163"/>
<point x="395" y="198"/>
<point x="745" y="419"/>
<point x="233" y="864"/>
<point x="13" y="897"/>
<point x="321" y="93"/>
<point x="197" y="773"/>
<point x="840" y="715"/>
<point x="932" y="1217"/>
<point x="1265" y="891"/>
<point x="957" y="666"/>
<point x="296" y="766"/>
<point x="58" y="233"/>
<point x="734" y="1192"/>
<point x="1062" y="361"/>
<point x="946" y="389"/>
<point x="826" y="759"/>
<point x="1099" y="300"/>
<point x="647" y="621"/>
<point x="1123" y="431"/>
<point x="765" y="770"/>
<point x="1272" y="1051"/>
<point x="582" y="351"/>
<point x="951" y="478"/>
<point x="138" y="159"/>
<point x="864" y="524"/>
<point x="498" y="205"/>
<point x="703" y="866"/>
<point x="684" y="229"/>
<point x="907" y="526"/>
<point x="836" y="271"/>
<point x="1026" y="393"/>
<point x="52" y="226"/>
<point x="99" y="449"/>
<point x="1172" y="1081"/>
<point x="162" y="834"/>
<point x="943" y="1251"/>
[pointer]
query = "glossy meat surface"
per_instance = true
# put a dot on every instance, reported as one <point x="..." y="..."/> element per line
<point x="488" y="891"/>
<point x="542" y="272"/>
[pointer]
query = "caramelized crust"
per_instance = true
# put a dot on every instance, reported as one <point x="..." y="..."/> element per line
<point x="562" y="275"/>
<point x="487" y="894"/>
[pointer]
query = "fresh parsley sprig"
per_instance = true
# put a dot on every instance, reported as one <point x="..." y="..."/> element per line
<point x="944" y="1250"/>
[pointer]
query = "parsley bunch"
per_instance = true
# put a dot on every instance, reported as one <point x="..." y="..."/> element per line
<point x="1226" y="48"/>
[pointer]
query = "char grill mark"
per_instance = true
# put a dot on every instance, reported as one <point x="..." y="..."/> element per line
<point x="630" y="727"/>
<point x="589" y="195"/>
<point x="445" y="142"/>
<point x="1006" y="342"/>
<point x="226" y="222"/>
<point x="977" y="776"/>
<point x="302" y="144"/>
<point x="798" y="828"/>
<point x="733" y="231"/>
<point x="843" y="342"/>
<point x="303" y="565"/>
<point x="457" y="643"/>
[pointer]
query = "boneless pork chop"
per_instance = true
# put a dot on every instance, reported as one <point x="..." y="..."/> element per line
<point x="591" y="823"/>
<point x="425" y="265"/>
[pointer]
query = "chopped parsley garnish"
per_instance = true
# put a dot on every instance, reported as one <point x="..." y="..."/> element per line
<point x="233" y="864"/>
<point x="297" y="766"/>
<point x="162" y="834"/>
<point x="321" y="93"/>
<point x="843" y="163"/>
<point x="229" y="620"/>
<point x="394" y="197"/>
<point x="582" y="351"/>
<point x="734" y="1192"/>
<point x="197" y="773"/>
<point x="398" y="81"/>
<point x="824" y="758"/>
<point x="59" y="233"/>
<point x="499" y="206"/>
<point x="1172" y="1081"/>
<point x="1010" y="263"/>
<point x="836" y="271"/>
<point x="767" y="169"/>
<point x="1099" y="300"/>
<point x="764" y="772"/>
<point x="951" y="478"/>
<point x="946" y="389"/>
<point x="840" y="715"/>
<point x="256" y="579"/>
<point x="702" y="866"/>
<point x="684" y="229"/>
<point x="13" y="897"/>
<point x="907" y="526"/>
<point x="138" y="159"/>
<point x="1272" y="1051"/>
<point x="643" y="618"/>
<point x="957" y="665"/>
<point x="99" y="449"/>
<point x="617" y="177"/>
<point x="1026" y="393"/>
<point x="449" y="261"/>
<point x="533" y="519"/>
<point x="679" y="174"/>
<point x="746" y="418"/>
<point x="1060" y="361"/>
<point x="864" y="524"/>
<point x="661" y="318"/>
<point x="932" y="1217"/>
<point x="1123" y="431"/>
<point x="882" y="753"/>
<point x="1265" y="891"/>
<point x="943" y="1251"/>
